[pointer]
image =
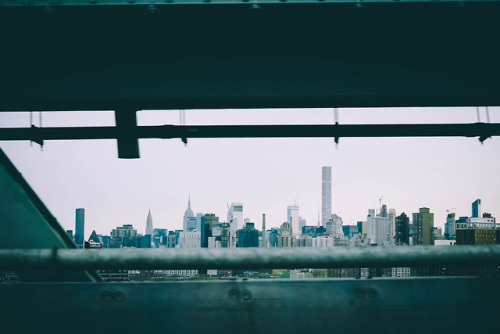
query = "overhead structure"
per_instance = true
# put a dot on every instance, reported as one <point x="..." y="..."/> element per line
<point x="212" y="54"/>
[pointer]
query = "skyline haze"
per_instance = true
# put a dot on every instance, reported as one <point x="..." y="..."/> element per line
<point x="266" y="175"/>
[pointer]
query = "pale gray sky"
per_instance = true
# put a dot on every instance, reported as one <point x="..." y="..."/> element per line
<point x="265" y="174"/>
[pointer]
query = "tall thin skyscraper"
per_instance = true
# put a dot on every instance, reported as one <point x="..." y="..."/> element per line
<point x="476" y="208"/>
<point x="264" y="242"/>
<point x="80" y="227"/>
<point x="149" y="224"/>
<point x="326" y="194"/>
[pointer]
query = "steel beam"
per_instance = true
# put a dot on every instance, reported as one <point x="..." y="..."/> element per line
<point x="128" y="144"/>
<point x="247" y="258"/>
<point x="482" y="130"/>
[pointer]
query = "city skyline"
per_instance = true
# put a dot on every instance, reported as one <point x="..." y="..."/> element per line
<point x="267" y="175"/>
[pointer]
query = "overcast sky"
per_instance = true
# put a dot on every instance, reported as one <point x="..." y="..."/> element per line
<point x="265" y="174"/>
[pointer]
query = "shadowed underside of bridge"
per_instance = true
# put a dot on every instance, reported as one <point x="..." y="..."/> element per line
<point x="59" y="55"/>
<point x="324" y="54"/>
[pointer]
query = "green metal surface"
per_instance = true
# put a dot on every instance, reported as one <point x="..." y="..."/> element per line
<point x="27" y="223"/>
<point x="425" y="305"/>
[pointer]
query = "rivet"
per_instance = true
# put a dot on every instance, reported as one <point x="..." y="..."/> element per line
<point x="119" y="296"/>
<point x="106" y="296"/>
<point x="372" y="293"/>
<point x="246" y="295"/>
<point x="359" y="293"/>
<point x="233" y="294"/>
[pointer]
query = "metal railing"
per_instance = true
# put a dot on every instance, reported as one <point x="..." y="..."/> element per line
<point x="246" y="258"/>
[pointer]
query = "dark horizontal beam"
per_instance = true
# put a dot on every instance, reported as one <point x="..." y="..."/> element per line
<point x="482" y="130"/>
<point x="59" y="3"/>
<point x="247" y="258"/>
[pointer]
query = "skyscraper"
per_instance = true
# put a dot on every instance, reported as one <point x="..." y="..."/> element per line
<point x="235" y="216"/>
<point x="188" y="214"/>
<point x="449" y="227"/>
<point x="80" y="227"/>
<point x="423" y="227"/>
<point x="377" y="228"/>
<point x="402" y="229"/>
<point x="326" y="194"/>
<point x="149" y="224"/>
<point x="292" y="217"/>
<point x="476" y="208"/>
<point x="392" y="219"/>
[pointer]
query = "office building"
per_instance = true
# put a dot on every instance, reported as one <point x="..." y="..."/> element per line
<point x="149" y="224"/>
<point x="123" y="236"/>
<point x="272" y="236"/>
<point x="235" y="216"/>
<point x="302" y="223"/>
<point x="190" y="239"/>
<point x="292" y="217"/>
<point x="314" y="231"/>
<point x="392" y="225"/>
<point x="208" y="222"/>
<point x="187" y="224"/>
<point x="80" y="227"/>
<point x="383" y="211"/>
<point x="334" y="227"/>
<point x="476" y="208"/>
<point x="423" y="227"/>
<point x="377" y="229"/>
<point x="402" y="229"/>
<point x="248" y="236"/>
<point x="449" y="226"/>
<point x="326" y="194"/>
<point x="285" y="238"/>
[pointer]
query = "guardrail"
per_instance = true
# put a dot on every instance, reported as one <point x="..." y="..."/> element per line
<point x="247" y="258"/>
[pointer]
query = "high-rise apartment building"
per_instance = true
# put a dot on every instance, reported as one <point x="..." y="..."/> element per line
<point x="235" y="216"/>
<point x="476" y="208"/>
<point x="292" y="217"/>
<point x="423" y="227"/>
<point x="326" y="194"/>
<point x="80" y="227"/>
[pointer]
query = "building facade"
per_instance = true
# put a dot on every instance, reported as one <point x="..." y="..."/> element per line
<point x="326" y="194"/>
<point x="292" y="217"/>
<point x="80" y="227"/>
<point x="402" y="229"/>
<point x="423" y="227"/>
